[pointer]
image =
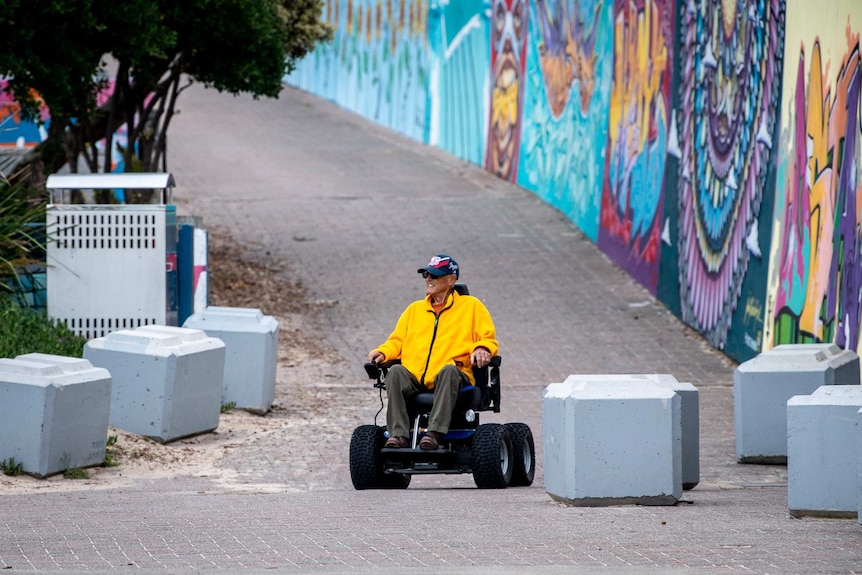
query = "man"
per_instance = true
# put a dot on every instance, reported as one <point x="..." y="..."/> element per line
<point x="437" y="339"/>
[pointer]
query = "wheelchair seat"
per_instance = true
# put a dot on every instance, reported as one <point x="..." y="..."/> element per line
<point x="469" y="397"/>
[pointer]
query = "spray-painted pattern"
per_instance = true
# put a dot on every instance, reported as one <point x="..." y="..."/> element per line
<point x="567" y="87"/>
<point x="377" y="64"/>
<point x="820" y="267"/>
<point x="640" y="105"/>
<point x="458" y="44"/>
<point x="508" y="57"/>
<point x="730" y="89"/>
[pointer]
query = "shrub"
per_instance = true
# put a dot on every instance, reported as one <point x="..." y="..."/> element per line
<point x="28" y="331"/>
<point x="22" y="235"/>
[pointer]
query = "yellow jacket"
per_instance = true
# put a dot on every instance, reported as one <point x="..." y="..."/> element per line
<point x="425" y="342"/>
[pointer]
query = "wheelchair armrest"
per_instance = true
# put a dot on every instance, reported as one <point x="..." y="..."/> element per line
<point x="377" y="371"/>
<point x="488" y="380"/>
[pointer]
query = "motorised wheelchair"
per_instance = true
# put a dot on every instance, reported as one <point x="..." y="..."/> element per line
<point x="498" y="455"/>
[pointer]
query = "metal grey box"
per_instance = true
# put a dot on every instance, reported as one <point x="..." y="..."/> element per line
<point x="821" y="452"/>
<point x="612" y="440"/>
<point x="167" y="381"/>
<point x="763" y="384"/>
<point x="55" y="413"/>
<point x="251" y="353"/>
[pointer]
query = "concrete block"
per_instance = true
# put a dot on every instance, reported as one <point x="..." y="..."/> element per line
<point x="55" y="413"/>
<point x="689" y="414"/>
<point x="821" y="452"/>
<point x="859" y="466"/>
<point x="763" y="384"/>
<point x="611" y="440"/>
<point x="251" y="353"/>
<point x="167" y="381"/>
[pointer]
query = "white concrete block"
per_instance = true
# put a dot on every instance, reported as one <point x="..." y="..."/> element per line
<point x="689" y="413"/>
<point x="167" y="381"/>
<point x="251" y="353"/>
<point x="55" y="413"/>
<point x="859" y="466"/>
<point x="821" y="452"/>
<point x="611" y="440"/>
<point x="763" y="384"/>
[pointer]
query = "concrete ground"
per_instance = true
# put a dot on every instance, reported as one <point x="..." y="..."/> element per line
<point x="350" y="211"/>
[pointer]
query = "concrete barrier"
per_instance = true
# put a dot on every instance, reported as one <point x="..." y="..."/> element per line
<point x="859" y="466"/>
<point x="821" y="452"/>
<point x="612" y="440"/>
<point x="251" y="353"/>
<point x="763" y="384"/>
<point x="55" y="413"/>
<point x="167" y="381"/>
<point x="689" y="414"/>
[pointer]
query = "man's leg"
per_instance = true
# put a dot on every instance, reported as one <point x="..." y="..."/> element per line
<point x="446" y="386"/>
<point x="400" y="385"/>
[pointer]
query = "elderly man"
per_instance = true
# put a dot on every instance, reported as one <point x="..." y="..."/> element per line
<point x="437" y="339"/>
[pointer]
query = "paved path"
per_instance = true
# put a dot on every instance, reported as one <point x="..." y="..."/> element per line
<point x="350" y="211"/>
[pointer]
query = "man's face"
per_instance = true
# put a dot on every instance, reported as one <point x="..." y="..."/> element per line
<point x="437" y="287"/>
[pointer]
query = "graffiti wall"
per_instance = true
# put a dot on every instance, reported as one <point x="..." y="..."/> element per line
<point x="711" y="148"/>
<point x="565" y="116"/>
<point x="14" y="130"/>
<point x="815" y="277"/>
<point x="377" y="64"/>
<point x="638" y="128"/>
<point x="720" y="162"/>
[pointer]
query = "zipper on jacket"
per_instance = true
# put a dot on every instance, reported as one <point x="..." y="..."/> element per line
<point x="433" y="338"/>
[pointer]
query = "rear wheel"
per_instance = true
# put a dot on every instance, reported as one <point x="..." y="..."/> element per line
<point x="366" y="462"/>
<point x="492" y="456"/>
<point x="523" y="454"/>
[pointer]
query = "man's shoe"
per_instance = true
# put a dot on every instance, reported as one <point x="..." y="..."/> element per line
<point x="396" y="443"/>
<point x="430" y="441"/>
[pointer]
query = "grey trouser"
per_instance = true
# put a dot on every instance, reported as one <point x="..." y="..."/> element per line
<point x="400" y="385"/>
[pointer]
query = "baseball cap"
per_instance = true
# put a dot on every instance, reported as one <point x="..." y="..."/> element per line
<point x="441" y="265"/>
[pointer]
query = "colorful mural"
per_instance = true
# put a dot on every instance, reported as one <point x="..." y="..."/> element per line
<point x="671" y="132"/>
<point x="640" y="104"/>
<point x="722" y="144"/>
<point x="14" y="130"/>
<point x="816" y="275"/>
<point x="508" y="57"/>
<point x="458" y="87"/>
<point x="377" y="64"/>
<point x="566" y="92"/>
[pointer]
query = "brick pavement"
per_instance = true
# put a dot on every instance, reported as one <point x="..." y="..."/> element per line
<point x="350" y="210"/>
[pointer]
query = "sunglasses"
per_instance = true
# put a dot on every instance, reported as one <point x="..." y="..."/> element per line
<point x="426" y="274"/>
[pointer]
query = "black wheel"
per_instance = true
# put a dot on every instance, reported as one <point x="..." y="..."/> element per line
<point x="366" y="463"/>
<point x="523" y="454"/>
<point x="492" y="456"/>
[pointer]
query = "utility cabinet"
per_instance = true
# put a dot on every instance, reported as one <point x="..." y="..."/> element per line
<point x="111" y="266"/>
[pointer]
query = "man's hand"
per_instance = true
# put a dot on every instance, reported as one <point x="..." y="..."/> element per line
<point x="480" y="357"/>
<point x="375" y="356"/>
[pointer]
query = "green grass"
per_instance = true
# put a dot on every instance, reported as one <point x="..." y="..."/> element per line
<point x="10" y="467"/>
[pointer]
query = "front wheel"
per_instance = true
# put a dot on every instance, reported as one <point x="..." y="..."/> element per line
<point x="523" y="454"/>
<point x="366" y="462"/>
<point x="492" y="456"/>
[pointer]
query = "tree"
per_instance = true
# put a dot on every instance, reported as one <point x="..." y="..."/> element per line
<point x="64" y="52"/>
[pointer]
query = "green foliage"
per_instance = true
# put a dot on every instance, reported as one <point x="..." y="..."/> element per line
<point x="55" y="51"/>
<point x="22" y="243"/>
<point x="30" y="331"/>
<point x="227" y="407"/>
<point x="73" y="472"/>
<point x="111" y="459"/>
<point x="76" y="473"/>
<point x="10" y="467"/>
